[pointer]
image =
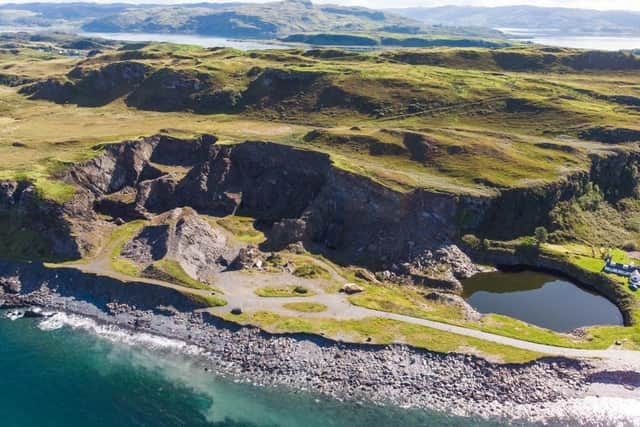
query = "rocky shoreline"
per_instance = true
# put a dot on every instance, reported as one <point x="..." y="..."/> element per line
<point x="456" y="384"/>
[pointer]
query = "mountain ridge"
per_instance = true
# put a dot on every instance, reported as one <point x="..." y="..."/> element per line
<point x="244" y="20"/>
<point x="573" y="20"/>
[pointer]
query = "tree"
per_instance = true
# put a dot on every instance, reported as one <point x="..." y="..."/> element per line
<point x="541" y="235"/>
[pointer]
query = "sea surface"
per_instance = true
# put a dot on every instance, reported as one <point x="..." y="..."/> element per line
<point x="556" y="38"/>
<point x="89" y="376"/>
<point x="204" y="41"/>
<point x="549" y="37"/>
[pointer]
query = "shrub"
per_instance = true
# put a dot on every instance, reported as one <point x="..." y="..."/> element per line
<point x="528" y="247"/>
<point x="300" y="290"/>
<point x="472" y="241"/>
<point x="542" y="235"/>
<point x="591" y="199"/>
<point x="630" y="246"/>
<point x="486" y="243"/>
<point x="310" y="271"/>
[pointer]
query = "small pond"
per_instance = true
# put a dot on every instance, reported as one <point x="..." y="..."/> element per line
<point x="540" y="299"/>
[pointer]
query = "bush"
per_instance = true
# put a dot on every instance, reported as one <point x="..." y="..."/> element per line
<point x="472" y="241"/>
<point x="630" y="246"/>
<point x="528" y="247"/>
<point x="633" y="225"/>
<point x="310" y="271"/>
<point x="300" y="290"/>
<point x="542" y="235"/>
<point x="591" y="199"/>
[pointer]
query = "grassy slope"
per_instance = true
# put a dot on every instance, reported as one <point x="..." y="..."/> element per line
<point x="288" y="291"/>
<point x="466" y="115"/>
<point x="383" y="331"/>
<point x="474" y="149"/>
<point x="305" y="307"/>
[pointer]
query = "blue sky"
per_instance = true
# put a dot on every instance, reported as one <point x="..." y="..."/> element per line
<point x="590" y="4"/>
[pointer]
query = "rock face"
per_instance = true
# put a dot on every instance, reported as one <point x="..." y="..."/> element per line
<point x="77" y="289"/>
<point x="611" y="135"/>
<point x="58" y="91"/>
<point x="101" y="86"/>
<point x="66" y="228"/>
<point x="169" y="90"/>
<point x="181" y="235"/>
<point x="299" y="196"/>
<point x="91" y="87"/>
<point x="274" y="85"/>
<point x="298" y="193"/>
<point x="517" y="211"/>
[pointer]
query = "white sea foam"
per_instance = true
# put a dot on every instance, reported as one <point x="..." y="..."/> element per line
<point x="118" y="335"/>
<point x="52" y="323"/>
<point x="590" y="410"/>
<point x="609" y="410"/>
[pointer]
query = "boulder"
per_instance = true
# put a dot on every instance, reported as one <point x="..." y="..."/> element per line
<point x="366" y="275"/>
<point x="36" y="313"/>
<point x="351" y="288"/>
<point x="11" y="285"/>
<point x="247" y="258"/>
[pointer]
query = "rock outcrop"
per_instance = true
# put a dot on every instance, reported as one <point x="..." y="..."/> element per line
<point x="36" y="283"/>
<point x="182" y="236"/>
<point x="610" y="135"/>
<point x="65" y="228"/>
<point x="90" y="87"/>
<point x="300" y="196"/>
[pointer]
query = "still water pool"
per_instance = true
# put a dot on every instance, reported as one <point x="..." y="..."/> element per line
<point x="539" y="298"/>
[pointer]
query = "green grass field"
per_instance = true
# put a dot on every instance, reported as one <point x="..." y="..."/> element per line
<point x="287" y="291"/>
<point x="485" y="124"/>
<point x="383" y="331"/>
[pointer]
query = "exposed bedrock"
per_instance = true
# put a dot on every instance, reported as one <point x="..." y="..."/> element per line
<point x="611" y="135"/>
<point x="28" y="280"/>
<point x="184" y="237"/>
<point x="298" y="195"/>
<point x="60" y="226"/>
<point x="516" y="212"/>
<point x="90" y="87"/>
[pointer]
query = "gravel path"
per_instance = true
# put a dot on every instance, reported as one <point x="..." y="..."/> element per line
<point x="239" y="291"/>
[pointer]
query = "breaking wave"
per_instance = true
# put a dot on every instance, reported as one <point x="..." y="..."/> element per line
<point x="590" y="410"/>
<point x="118" y="335"/>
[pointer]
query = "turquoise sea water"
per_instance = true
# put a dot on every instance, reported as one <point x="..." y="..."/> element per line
<point x="71" y="378"/>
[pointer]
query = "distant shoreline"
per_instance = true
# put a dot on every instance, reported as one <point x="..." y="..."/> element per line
<point x="608" y="42"/>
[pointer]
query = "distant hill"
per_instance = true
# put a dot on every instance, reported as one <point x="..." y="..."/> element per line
<point x="574" y="21"/>
<point x="242" y="20"/>
<point x="373" y="40"/>
<point x="267" y="20"/>
<point x="47" y="14"/>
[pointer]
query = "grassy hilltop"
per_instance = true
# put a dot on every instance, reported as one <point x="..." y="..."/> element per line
<point x="491" y="119"/>
<point x="466" y="121"/>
